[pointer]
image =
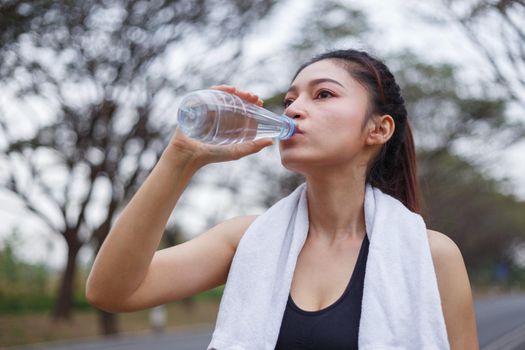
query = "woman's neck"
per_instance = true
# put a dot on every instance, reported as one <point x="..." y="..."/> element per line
<point x="336" y="206"/>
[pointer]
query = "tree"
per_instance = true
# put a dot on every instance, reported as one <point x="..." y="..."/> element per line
<point x="329" y="25"/>
<point x="493" y="27"/>
<point x="469" y="207"/>
<point x="109" y="71"/>
<point x="445" y="113"/>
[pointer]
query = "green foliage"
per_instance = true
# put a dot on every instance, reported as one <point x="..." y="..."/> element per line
<point x="26" y="287"/>
<point x="469" y="207"/>
<point x="18" y="277"/>
<point x="25" y="303"/>
<point x="445" y="110"/>
<point x="330" y="24"/>
<point x="212" y="294"/>
<point x="29" y="288"/>
<point x="37" y="303"/>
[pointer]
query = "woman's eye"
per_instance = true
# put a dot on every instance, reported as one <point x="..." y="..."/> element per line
<point x="324" y="94"/>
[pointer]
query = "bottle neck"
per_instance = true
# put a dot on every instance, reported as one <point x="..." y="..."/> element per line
<point x="289" y="130"/>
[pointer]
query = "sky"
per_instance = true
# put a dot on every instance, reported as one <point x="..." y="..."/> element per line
<point x="398" y="27"/>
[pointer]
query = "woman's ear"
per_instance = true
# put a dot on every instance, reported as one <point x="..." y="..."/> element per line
<point x="380" y="129"/>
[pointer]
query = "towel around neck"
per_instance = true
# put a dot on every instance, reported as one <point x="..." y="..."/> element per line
<point x="401" y="307"/>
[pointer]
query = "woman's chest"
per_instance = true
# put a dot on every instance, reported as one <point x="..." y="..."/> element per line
<point x="322" y="275"/>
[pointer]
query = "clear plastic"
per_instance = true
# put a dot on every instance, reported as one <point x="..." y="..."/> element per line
<point x="218" y="117"/>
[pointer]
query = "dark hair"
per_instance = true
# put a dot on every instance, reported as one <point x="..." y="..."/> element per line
<point x="393" y="170"/>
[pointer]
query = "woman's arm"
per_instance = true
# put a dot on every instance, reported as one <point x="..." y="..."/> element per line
<point x="128" y="274"/>
<point x="455" y="292"/>
<point x="124" y="257"/>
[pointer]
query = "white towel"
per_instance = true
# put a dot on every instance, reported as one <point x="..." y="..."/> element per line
<point x="401" y="307"/>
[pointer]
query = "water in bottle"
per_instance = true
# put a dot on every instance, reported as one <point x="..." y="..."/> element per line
<point x="218" y="117"/>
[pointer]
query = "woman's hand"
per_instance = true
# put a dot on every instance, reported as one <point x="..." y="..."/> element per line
<point x="200" y="153"/>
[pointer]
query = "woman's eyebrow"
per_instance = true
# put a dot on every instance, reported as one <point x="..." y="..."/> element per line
<point x="315" y="82"/>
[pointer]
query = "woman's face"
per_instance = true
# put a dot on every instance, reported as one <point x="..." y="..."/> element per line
<point x="329" y="107"/>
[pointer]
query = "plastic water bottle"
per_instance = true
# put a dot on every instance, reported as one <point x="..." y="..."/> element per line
<point x="218" y="117"/>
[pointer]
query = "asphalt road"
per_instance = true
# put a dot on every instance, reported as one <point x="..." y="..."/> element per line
<point x="501" y="326"/>
<point x="194" y="339"/>
<point x="501" y="322"/>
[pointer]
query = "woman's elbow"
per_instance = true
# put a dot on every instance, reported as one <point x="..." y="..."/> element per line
<point x="98" y="297"/>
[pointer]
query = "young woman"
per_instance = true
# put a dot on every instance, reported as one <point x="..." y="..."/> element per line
<point x="353" y="130"/>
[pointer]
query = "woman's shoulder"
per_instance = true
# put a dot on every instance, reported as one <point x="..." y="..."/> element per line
<point x="236" y="227"/>
<point x="455" y="291"/>
<point x="443" y="248"/>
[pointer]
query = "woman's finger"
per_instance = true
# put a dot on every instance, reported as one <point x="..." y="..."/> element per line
<point x="252" y="98"/>
<point x="245" y="95"/>
<point x="226" y="88"/>
<point x="246" y="148"/>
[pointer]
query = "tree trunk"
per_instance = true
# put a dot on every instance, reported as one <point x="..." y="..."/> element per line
<point x="189" y="304"/>
<point x="64" y="303"/>
<point x="108" y="323"/>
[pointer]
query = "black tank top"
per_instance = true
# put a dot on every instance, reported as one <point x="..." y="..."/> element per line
<point x="334" y="327"/>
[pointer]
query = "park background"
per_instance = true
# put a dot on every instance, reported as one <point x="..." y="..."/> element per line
<point x="88" y="99"/>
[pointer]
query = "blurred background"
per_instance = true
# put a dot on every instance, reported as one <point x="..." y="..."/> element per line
<point x="88" y="98"/>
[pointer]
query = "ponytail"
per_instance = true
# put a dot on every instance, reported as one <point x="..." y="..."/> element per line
<point x="394" y="173"/>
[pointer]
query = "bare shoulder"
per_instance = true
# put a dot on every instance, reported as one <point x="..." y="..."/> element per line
<point x="240" y="225"/>
<point x="448" y="263"/>
<point x="443" y="248"/>
<point x="455" y="291"/>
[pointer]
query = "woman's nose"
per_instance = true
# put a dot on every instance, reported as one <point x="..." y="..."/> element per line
<point x="294" y="111"/>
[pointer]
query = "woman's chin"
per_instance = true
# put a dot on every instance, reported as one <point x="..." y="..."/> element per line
<point x="294" y="161"/>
